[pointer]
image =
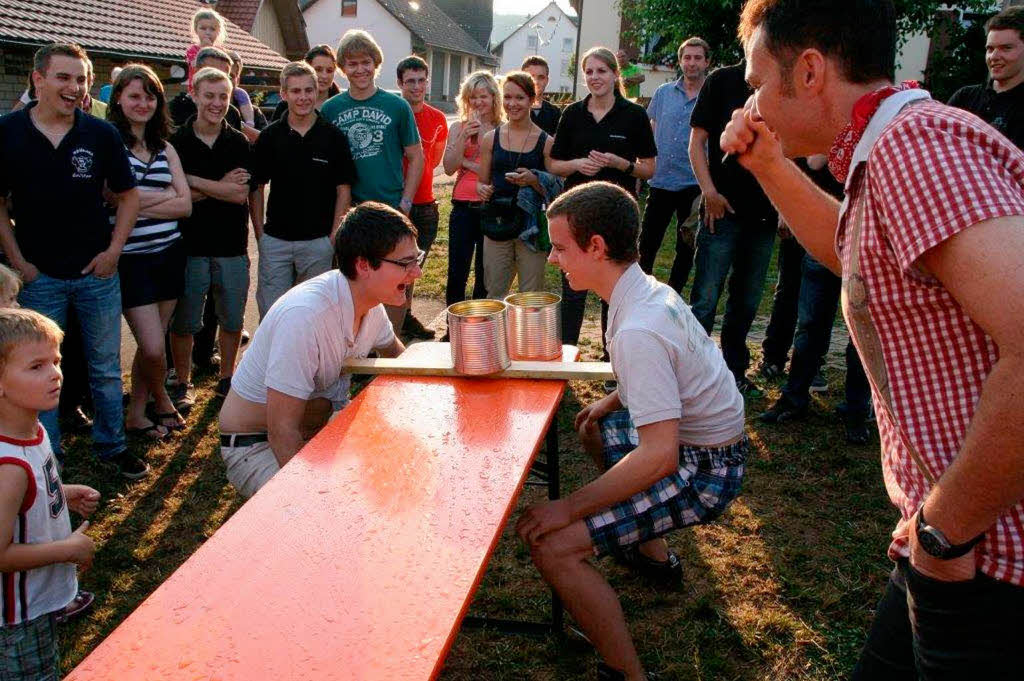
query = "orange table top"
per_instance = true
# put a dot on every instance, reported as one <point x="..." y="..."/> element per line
<point x="359" y="558"/>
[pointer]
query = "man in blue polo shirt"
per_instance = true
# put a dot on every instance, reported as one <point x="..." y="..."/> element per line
<point x="674" y="187"/>
<point x="53" y="156"/>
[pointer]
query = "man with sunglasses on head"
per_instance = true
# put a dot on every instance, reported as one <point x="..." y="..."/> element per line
<point x="290" y="380"/>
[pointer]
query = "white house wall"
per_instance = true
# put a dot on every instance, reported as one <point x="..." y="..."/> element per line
<point x="266" y="28"/>
<point x="913" y="58"/>
<point x="556" y="29"/>
<point x="324" y="24"/>
<point x="600" y="26"/>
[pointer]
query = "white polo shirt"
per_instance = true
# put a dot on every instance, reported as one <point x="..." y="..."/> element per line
<point x="666" y="364"/>
<point x="301" y="345"/>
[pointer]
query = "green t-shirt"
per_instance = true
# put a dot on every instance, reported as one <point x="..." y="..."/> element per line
<point x="631" y="69"/>
<point x="378" y="130"/>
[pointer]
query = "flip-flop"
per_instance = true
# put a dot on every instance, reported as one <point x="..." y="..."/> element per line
<point x="144" y="433"/>
<point x="80" y="603"/>
<point x="177" y="425"/>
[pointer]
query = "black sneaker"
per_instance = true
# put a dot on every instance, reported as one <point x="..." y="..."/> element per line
<point x="130" y="466"/>
<point x="782" y="411"/>
<point x="606" y="673"/>
<point x="413" y="328"/>
<point x="748" y="389"/>
<point x="75" y="421"/>
<point x="668" y="572"/>
<point x="245" y="339"/>
<point x="857" y="432"/>
<point x="819" y="384"/>
<point x="223" y="386"/>
<point x="771" y="370"/>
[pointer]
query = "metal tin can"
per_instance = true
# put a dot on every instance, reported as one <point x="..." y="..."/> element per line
<point x="534" y="326"/>
<point x="478" y="336"/>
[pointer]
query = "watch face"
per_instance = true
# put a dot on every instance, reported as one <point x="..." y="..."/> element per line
<point x="932" y="544"/>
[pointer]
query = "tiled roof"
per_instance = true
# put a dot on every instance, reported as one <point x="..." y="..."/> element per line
<point x="430" y="24"/>
<point x="241" y="12"/>
<point x="131" y="28"/>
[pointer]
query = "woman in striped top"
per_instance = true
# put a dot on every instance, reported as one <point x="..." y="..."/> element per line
<point x="152" y="265"/>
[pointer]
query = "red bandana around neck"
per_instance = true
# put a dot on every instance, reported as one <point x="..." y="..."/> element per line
<point x="841" y="154"/>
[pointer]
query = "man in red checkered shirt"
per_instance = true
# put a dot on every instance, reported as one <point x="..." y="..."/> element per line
<point x="930" y="245"/>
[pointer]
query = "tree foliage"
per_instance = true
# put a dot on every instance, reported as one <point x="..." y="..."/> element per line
<point x="661" y="25"/>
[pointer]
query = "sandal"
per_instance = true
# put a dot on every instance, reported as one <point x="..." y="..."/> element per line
<point x="82" y="601"/>
<point x="178" y="421"/>
<point x="147" y="432"/>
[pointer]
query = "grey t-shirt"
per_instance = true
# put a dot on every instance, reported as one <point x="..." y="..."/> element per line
<point x="666" y="364"/>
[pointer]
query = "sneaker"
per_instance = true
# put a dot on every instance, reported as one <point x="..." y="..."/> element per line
<point x="130" y="466"/>
<point x="75" y="421"/>
<point x="819" y="384"/>
<point x="748" y="389"/>
<point x="843" y="409"/>
<point x="184" y="397"/>
<point x="668" y="572"/>
<point x="223" y="386"/>
<point x="245" y="339"/>
<point x="79" y="605"/>
<point x="782" y="411"/>
<point x="857" y="431"/>
<point x="771" y="370"/>
<point x="606" y="673"/>
<point x="413" y="328"/>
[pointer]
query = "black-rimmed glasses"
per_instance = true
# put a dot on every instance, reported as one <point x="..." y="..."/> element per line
<point x="421" y="257"/>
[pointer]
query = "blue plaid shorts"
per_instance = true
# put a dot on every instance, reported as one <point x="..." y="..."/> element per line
<point x="706" y="482"/>
<point x="30" y="650"/>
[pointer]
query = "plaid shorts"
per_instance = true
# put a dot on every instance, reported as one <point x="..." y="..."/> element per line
<point x="30" y="650"/>
<point x="706" y="482"/>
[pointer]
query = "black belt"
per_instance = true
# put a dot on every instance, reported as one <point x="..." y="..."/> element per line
<point x="245" y="440"/>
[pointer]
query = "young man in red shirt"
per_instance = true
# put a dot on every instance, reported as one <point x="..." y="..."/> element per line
<point x="414" y="82"/>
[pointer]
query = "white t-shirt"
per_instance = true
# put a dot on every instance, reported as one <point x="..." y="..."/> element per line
<point x="42" y="518"/>
<point x="300" y="346"/>
<point x="666" y="364"/>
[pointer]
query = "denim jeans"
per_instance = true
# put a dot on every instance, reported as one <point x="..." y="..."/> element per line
<point x="745" y="247"/>
<point x="927" y="630"/>
<point x="98" y="305"/>
<point x="465" y="247"/>
<point x="817" y="307"/>
<point x="778" y="337"/>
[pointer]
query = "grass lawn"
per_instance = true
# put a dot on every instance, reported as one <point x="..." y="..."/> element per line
<point x="782" y="586"/>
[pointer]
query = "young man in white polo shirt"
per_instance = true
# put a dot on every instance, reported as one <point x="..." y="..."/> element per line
<point x="670" y="439"/>
<point x="289" y="380"/>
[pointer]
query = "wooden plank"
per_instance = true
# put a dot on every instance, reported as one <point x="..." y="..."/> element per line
<point x="436" y="361"/>
<point x="358" y="560"/>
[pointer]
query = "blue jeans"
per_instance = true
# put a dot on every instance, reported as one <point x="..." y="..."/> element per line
<point x="98" y="305"/>
<point x="817" y="306"/>
<point x="745" y="247"/>
<point x="778" y="337"/>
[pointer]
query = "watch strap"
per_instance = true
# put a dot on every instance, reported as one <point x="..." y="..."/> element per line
<point x="948" y="550"/>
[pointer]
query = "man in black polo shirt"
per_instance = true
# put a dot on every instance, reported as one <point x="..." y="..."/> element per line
<point x="54" y="157"/>
<point x="217" y="161"/>
<point x="183" y="107"/>
<point x="1000" y="103"/>
<point x="737" y="224"/>
<point x="544" y="113"/>
<point x="309" y="167"/>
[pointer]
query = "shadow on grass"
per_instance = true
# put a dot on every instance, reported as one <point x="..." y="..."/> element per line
<point x="150" y="527"/>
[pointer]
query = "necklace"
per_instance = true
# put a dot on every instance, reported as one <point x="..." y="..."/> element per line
<point x="515" y="164"/>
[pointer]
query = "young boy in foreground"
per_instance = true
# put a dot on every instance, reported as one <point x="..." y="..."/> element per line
<point x="38" y="550"/>
<point x="670" y="439"/>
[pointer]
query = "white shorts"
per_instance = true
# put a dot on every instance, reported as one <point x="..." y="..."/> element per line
<point x="249" y="468"/>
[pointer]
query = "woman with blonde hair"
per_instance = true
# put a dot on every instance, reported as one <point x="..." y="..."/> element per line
<point x="603" y="136"/>
<point x="479" y="113"/>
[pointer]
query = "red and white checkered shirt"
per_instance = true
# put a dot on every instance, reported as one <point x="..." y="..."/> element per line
<point x="932" y="172"/>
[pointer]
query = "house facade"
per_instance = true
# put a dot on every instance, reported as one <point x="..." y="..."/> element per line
<point x="401" y="28"/>
<point x="551" y="33"/>
<point x="275" y="23"/>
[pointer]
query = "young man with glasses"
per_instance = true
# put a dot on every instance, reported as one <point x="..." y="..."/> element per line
<point x="289" y="381"/>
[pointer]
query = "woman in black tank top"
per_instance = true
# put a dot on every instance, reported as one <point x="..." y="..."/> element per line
<point x="510" y="158"/>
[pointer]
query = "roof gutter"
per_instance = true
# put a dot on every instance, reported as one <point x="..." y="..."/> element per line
<point x="122" y="55"/>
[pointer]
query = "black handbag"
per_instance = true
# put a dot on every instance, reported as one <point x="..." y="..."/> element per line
<point x="501" y="219"/>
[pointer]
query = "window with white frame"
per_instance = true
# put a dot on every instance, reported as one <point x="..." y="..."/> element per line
<point x="531" y="41"/>
<point x="566" y="44"/>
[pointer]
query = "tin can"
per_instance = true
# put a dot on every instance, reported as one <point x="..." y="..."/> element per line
<point x="478" y="337"/>
<point x="534" y="326"/>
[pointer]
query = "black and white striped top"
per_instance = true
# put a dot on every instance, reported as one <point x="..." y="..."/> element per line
<point x="151" y="235"/>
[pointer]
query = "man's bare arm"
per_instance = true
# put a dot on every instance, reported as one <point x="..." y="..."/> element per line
<point x="284" y="424"/>
<point x="26" y="269"/>
<point x="342" y="203"/>
<point x="232" y="192"/>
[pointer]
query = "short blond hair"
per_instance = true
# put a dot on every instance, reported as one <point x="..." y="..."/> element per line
<point x="18" y="327"/>
<point x="209" y="74"/>
<point x="356" y="41"/>
<point x="486" y="80"/>
<point x="10" y="282"/>
<point x="296" y="68"/>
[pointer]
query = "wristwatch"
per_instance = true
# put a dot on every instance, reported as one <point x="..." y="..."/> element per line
<point x="405" y="204"/>
<point x="630" y="168"/>
<point x="935" y="543"/>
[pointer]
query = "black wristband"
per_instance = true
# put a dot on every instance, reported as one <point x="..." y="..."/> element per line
<point x="630" y="168"/>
